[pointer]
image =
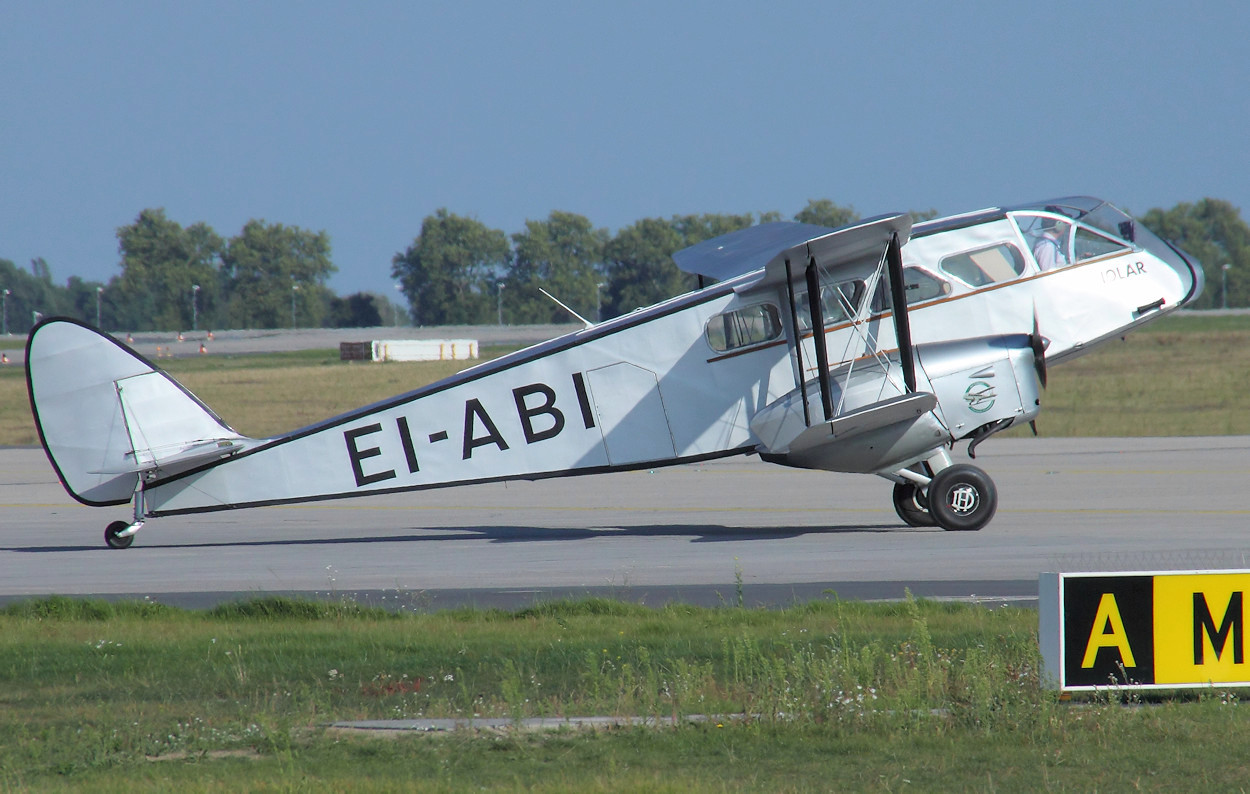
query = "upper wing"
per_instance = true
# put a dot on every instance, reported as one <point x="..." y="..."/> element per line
<point x="769" y="245"/>
<point x="849" y="245"/>
<point x="736" y="253"/>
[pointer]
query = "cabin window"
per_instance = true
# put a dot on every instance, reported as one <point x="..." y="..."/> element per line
<point x="990" y="265"/>
<point x="839" y="303"/>
<point x="919" y="285"/>
<point x="743" y="327"/>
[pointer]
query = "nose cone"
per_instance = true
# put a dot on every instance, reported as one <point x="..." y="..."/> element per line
<point x="1199" y="277"/>
<point x="1188" y="270"/>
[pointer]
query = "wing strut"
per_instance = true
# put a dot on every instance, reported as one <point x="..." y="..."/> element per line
<point x="818" y="337"/>
<point x="902" y="323"/>
<point x="798" y="345"/>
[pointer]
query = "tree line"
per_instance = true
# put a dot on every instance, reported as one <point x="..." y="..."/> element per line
<point x="457" y="270"/>
<point x="176" y="278"/>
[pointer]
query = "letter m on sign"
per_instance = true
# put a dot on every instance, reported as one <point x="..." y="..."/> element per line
<point x="1204" y="627"/>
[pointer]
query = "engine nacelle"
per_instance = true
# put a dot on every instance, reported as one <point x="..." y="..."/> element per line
<point x="980" y="382"/>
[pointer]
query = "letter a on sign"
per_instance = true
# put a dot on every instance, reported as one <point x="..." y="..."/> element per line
<point x="1108" y="632"/>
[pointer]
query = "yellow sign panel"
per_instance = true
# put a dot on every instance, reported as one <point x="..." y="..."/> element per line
<point x="1199" y="626"/>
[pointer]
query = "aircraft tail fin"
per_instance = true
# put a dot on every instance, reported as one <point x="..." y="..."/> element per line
<point x="107" y="417"/>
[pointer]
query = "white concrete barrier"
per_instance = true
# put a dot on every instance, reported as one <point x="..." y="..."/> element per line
<point x="424" y="349"/>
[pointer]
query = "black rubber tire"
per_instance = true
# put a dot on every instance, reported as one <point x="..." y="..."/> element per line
<point x="962" y="498"/>
<point x="911" y="506"/>
<point x="111" y="538"/>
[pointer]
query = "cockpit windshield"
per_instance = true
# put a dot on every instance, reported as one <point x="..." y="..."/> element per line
<point x="1107" y="218"/>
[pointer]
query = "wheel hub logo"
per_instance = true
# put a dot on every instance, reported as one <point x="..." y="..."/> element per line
<point x="964" y="499"/>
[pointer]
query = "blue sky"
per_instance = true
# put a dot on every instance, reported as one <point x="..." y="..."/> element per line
<point x="363" y="118"/>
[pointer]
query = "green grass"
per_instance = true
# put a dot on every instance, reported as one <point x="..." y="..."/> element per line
<point x="218" y="363"/>
<point x="832" y="694"/>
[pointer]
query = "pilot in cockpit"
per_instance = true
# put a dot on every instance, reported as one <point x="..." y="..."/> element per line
<point x="1050" y="249"/>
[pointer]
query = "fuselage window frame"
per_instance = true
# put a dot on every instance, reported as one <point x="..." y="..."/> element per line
<point x="913" y="288"/>
<point x="756" y="324"/>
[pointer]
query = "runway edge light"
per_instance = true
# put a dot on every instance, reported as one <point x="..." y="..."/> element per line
<point x="1143" y="630"/>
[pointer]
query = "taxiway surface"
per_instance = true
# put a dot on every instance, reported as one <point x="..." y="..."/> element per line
<point x="705" y="533"/>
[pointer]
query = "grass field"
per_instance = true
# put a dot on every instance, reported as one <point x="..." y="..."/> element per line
<point x="828" y="695"/>
<point x="1180" y="376"/>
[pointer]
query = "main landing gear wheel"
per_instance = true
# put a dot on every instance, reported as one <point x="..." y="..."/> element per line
<point x="962" y="498"/>
<point x="113" y="539"/>
<point x="912" y="506"/>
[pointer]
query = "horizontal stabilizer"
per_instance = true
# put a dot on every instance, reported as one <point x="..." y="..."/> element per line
<point x="178" y="457"/>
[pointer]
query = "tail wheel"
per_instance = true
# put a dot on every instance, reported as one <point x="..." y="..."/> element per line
<point x="911" y="505"/>
<point x="962" y="498"/>
<point x="112" y="538"/>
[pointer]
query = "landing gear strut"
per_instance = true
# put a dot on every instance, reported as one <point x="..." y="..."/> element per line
<point x="120" y="534"/>
<point x="912" y="506"/>
<point x="910" y="501"/>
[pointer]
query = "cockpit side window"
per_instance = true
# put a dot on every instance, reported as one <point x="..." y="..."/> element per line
<point x="1058" y="242"/>
<point x="744" y="327"/>
<point x="989" y="265"/>
<point x="1089" y="244"/>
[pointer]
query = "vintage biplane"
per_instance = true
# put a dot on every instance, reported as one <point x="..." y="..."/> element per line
<point x="872" y="348"/>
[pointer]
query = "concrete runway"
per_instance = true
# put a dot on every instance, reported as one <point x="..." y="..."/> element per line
<point x="699" y="533"/>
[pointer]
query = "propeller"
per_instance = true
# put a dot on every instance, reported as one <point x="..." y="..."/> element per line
<point x="1039" y="344"/>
